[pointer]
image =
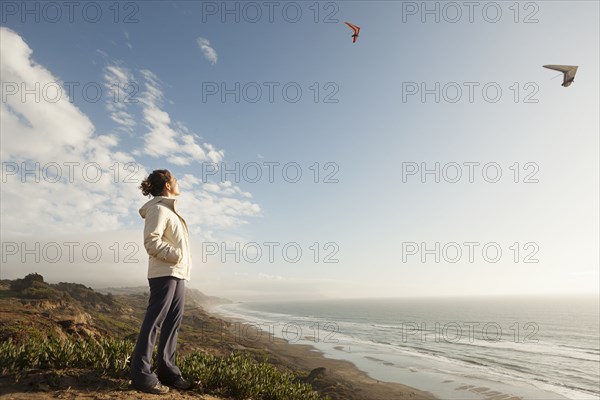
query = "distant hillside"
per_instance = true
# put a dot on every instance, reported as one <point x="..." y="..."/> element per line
<point x="33" y="286"/>
<point x="194" y="295"/>
<point x="203" y="300"/>
<point x="124" y="290"/>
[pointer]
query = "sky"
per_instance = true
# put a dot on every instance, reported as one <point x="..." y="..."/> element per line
<point x="433" y="157"/>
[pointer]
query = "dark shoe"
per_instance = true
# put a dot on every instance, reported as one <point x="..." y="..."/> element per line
<point x="159" y="388"/>
<point x="181" y="383"/>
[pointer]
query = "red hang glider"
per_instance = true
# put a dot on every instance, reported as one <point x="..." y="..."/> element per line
<point x="355" y="29"/>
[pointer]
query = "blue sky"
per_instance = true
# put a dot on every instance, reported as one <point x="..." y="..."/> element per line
<point x="372" y="131"/>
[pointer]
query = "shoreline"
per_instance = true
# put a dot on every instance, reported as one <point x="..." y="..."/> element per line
<point x="355" y="366"/>
<point x="340" y="379"/>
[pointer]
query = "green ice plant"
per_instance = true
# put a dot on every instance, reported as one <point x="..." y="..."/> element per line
<point x="237" y="375"/>
<point x="108" y="356"/>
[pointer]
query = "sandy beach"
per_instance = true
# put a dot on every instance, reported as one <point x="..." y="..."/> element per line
<point x="340" y="379"/>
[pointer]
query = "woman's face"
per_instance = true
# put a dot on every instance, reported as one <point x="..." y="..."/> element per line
<point x="172" y="187"/>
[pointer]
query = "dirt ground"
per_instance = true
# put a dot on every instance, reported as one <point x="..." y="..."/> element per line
<point x="80" y="384"/>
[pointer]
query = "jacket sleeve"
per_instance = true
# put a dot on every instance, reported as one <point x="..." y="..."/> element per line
<point x="154" y="227"/>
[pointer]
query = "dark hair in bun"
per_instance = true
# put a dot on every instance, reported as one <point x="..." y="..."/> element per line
<point x="155" y="183"/>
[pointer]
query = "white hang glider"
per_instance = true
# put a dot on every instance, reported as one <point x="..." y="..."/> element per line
<point x="568" y="71"/>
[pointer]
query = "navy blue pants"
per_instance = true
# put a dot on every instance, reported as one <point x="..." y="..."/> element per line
<point x="164" y="313"/>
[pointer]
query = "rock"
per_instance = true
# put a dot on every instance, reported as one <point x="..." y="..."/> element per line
<point x="314" y="374"/>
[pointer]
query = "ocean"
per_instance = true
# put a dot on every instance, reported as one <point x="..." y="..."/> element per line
<point x="500" y="348"/>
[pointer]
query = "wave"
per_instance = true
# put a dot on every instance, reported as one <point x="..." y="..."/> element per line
<point x="541" y="348"/>
<point x="589" y="350"/>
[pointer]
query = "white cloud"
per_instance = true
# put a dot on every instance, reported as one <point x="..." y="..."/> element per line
<point x="188" y="181"/>
<point x="166" y="138"/>
<point x="225" y="188"/>
<point x="216" y="210"/>
<point x="209" y="53"/>
<point x="127" y="42"/>
<point x="120" y="83"/>
<point x="214" y="155"/>
<point x="24" y="120"/>
<point x="69" y="186"/>
<point x="212" y="187"/>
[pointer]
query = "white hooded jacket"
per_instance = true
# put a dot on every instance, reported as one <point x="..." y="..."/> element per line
<point x="166" y="239"/>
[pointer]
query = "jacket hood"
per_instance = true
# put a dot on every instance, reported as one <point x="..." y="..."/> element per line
<point x="169" y="201"/>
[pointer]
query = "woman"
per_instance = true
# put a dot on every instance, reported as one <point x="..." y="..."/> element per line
<point x="166" y="240"/>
